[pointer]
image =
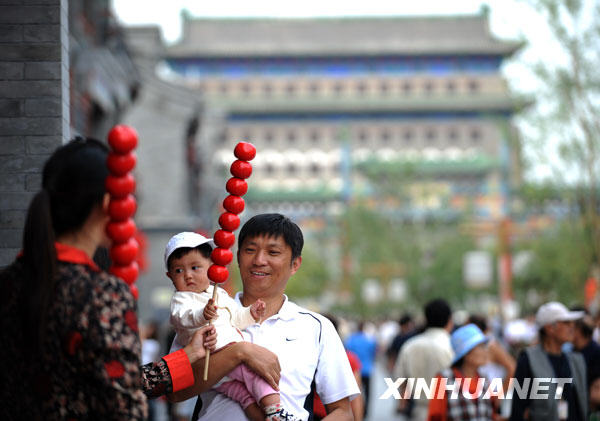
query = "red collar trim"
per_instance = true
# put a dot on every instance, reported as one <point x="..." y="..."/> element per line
<point x="70" y="254"/>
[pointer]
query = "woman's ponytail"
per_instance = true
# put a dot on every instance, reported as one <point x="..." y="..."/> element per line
<point x="73" y="182"/>
<point x="39" y="263"/>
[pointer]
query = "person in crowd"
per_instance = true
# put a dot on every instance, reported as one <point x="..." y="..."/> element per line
<point x="150" y="342"/>
<point x="308" y="348"/>
<point x="547" y="360"/>
<point x="69" y="330"/>
<point x="357" y="403"/>
<point x="187" y="259"/>
<point x="466" y="402"/>
<point x="407" y="331"/>
<point x="583" y="343"/>
<point x="364" y="347"/>
<point x="426" y="354"/>
<point x="594" y="393"/>
<point x="500" y="363"/>
<point x="150" y="353"/>
<point x="596" y="334"/>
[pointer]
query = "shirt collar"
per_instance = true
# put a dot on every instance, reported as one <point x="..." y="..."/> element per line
<point x="437" y="331"/>
<point x="70" y="254"/>
<point x="287" y="310"/>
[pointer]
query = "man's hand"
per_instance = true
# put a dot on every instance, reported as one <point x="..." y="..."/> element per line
<point x="263" y="362"/>
<point x="258" y="309"/>
<point x="210" y="310"/>
<point x="205" y="337"/>
<point x="260" y="360"/>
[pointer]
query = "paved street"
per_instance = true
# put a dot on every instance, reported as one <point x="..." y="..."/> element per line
<point x="381" y="409"/>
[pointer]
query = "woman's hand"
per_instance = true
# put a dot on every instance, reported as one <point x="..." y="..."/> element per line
<point x="205" y="337"/>
<point x="263" y="362"/>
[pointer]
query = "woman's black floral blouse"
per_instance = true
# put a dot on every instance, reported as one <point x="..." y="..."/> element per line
<point x="90" y="364"/>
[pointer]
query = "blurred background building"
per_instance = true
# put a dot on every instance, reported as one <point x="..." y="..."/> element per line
<point x="410" y="115"/>
<point x="336" y="105"/>
<point x="390" y="140"/>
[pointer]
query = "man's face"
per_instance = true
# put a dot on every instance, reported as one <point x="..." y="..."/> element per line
<point x="266" y="265"/>
<point x="188" y="273"/>
<point x="563" y="331"/>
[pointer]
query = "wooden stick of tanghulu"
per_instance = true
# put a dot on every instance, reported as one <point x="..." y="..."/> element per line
<point x="214" y="297"/>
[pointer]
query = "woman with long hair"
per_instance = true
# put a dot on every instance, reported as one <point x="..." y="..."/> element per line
<point x="69" y="330"/>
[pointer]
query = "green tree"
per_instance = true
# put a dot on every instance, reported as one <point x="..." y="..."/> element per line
<point x="446" y="266"/>
<point x="569" y="106"/>
<point x="559" y="266"/>
<point x="428" y="255"/>
<point x="313" y="278"/>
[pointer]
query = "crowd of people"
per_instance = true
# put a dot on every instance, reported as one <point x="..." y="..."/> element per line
<point x="73" y="346"/>
<point x="478" y="349"/>
<point x="558" y="343"/>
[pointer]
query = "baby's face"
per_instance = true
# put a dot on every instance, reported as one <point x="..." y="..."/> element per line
<point x="188" y="273"/>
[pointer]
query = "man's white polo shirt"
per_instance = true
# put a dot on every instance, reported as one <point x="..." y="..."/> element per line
<point x="308" y="348"/>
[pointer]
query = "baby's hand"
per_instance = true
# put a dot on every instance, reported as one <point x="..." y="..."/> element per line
<point x="258" y="309"/>
<point x="210" y="310"/>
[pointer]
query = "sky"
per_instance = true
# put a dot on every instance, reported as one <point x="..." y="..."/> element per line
<point x="509" y="19"/>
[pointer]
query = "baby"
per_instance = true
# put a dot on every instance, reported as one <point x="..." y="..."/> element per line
<point x="187" y="258"/>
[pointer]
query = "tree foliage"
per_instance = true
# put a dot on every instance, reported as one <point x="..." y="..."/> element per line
<point x="559" y="267"/>
<point x="427" y="255"/>
<point x="314" y="276"/>
<point x="569" y="105"/>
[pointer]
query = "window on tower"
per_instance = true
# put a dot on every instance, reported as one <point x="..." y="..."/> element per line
<point x="473" y="86"/>
<point x="384" y="87"/>
<point x="428" y="87"/>
<point x="315" y="168"/>
<point x="451" y="87"/>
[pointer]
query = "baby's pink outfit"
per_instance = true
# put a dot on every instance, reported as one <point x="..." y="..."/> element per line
<point x="245" y="387"/>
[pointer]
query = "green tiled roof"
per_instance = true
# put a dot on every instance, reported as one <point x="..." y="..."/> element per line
<point x="473" y="165"/>
<point x="374" y="167"/>
<point x="480" y="103"/>
<point x="297" y="195"/>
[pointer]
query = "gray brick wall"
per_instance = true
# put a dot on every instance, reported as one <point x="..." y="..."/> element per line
<point x="34" y="105"/>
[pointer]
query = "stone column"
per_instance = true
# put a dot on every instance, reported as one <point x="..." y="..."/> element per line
<point x="34" y="105"/>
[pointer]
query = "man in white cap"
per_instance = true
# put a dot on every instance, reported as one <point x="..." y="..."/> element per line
<point x="546" y="360"/>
